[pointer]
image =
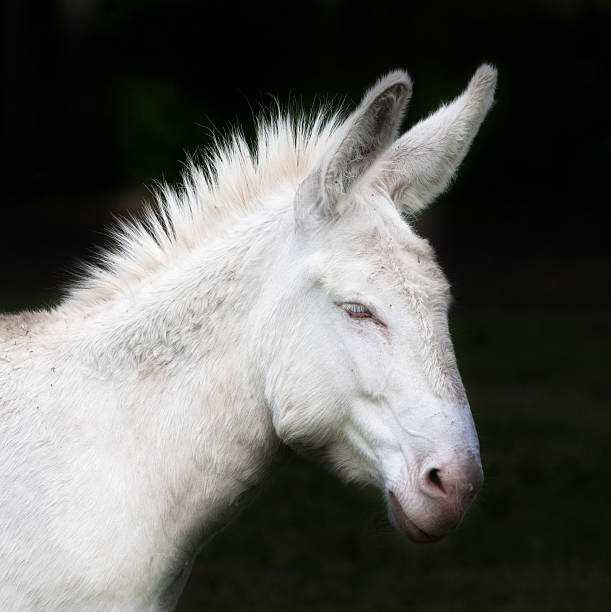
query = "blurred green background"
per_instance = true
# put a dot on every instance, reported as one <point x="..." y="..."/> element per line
<point x="100" y="99"/>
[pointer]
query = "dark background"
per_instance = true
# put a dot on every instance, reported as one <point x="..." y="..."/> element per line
<point x="102" y="99"/>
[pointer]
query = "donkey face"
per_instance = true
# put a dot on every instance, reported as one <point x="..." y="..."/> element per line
<point x="372" y="383"/>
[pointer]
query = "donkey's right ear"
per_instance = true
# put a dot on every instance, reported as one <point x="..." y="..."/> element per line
<point x="360" y="140"/>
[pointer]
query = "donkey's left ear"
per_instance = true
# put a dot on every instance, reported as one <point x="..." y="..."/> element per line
<point x="420" y="165"/>
<point x="367" y="133"/>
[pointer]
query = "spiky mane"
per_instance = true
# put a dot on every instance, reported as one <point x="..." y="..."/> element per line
<point x="232" y="181"/>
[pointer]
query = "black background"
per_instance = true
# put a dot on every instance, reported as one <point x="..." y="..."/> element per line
<point x="102" y="99"/>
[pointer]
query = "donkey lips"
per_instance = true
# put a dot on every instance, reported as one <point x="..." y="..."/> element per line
<point x="414" y="533"/>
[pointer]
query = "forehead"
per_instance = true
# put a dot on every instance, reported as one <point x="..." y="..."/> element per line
<point x="380" y="250"/>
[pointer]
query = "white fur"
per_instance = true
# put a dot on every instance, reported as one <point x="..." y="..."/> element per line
<point x="139" y="416"/>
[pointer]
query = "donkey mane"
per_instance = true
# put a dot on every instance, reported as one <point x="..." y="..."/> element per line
<point x="230" y="182"/>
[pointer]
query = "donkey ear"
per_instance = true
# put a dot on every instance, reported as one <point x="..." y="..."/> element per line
<point x="420" y="165"/>
<point x="362" y="138"/>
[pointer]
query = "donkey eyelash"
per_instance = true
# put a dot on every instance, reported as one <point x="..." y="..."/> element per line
<point x="358" y="311"/>
<point x="356" y="308"/>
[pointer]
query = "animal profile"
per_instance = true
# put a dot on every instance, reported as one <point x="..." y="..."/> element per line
<point x="277" y="299"/>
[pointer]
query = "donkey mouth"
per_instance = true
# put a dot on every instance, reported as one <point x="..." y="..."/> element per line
<point x="404" y="523"/>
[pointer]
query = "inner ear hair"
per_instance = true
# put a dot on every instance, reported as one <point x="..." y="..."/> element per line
<point x="365" y="135"/>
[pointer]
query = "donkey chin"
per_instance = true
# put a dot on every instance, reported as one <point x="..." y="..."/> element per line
<point x="434" y="505"/>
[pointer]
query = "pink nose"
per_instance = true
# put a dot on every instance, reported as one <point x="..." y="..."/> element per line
<point x="452" y="485"/>
<point x="443" y="491"/>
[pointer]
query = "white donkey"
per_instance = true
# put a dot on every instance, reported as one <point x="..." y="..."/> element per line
<point x="278" y="298"/>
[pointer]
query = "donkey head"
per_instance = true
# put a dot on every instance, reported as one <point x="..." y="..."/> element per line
<point x="364" y="372"/>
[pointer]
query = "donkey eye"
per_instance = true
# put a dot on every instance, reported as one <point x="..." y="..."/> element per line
<point x="357" y="311"/>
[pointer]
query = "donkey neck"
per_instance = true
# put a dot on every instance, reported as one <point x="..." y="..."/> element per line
<point x="178" y="353"/>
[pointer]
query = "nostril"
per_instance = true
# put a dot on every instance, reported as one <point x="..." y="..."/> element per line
<point x="434" y="480"/>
